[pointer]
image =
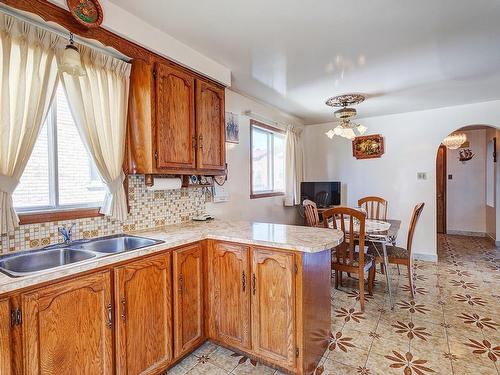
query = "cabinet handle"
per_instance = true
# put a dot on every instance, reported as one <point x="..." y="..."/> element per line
<point x="243" y="281"/>
<point x="254" y="286"/>
<point x="201" y="141"/>
<point x="194" y="142"/>
<point x="180" y="283"/>
<point x="110" y="316"/>
<point x="123" y="308"/>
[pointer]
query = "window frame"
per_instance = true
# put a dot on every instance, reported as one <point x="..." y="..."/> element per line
<point x="269" y="129"/>
<point x="55" y="211"/>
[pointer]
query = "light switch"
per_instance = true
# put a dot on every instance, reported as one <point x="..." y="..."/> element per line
<point x="450" y="177"/>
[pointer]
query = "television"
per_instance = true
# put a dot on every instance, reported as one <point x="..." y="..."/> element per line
<point x="324" y="194"/>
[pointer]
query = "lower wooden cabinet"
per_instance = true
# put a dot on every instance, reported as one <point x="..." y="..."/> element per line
<point x="229" y="293"/>
<point x="6" y="360"/>
<point x="143" y="315"/>
<point x="188" y="298"/>
<point x="67" y="327"/>
<point x="273" y="307"/>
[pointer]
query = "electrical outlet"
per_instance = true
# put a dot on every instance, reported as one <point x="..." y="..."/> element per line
<point x="450" y="177"/>
<point x="421" y="175"/>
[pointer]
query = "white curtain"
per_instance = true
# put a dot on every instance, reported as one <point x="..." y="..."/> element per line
<point x="28" y="78"/>
<point x="294" y="165"/>
<point x="99" y="103"/>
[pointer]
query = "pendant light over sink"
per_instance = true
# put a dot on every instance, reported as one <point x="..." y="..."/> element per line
<point x="346" y="127"/>
<point x="71" y="62"/>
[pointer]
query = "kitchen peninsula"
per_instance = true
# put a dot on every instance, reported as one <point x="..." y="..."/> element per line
<point x="257" y="288"/>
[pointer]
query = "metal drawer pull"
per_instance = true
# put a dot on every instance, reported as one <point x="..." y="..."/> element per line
<point x="123" y="308"/>
<point x="243" y="281"/>
<point x="110" y="316"/>
<point x="254" y="286"/>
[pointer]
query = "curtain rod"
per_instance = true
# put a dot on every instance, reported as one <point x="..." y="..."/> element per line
<point x="256" y="116"/>
<point x="64" y="34"/>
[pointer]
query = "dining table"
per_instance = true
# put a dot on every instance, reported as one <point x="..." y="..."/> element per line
<point x="381" y="233"/>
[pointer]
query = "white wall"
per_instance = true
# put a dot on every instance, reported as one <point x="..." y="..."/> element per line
<point x="240" y="206"/>
<point x="466" y="191"/>
<point x="411" y="142"/>
<point x="136" y="30"/>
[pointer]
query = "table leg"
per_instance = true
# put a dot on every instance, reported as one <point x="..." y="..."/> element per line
<point x="387" y="274"/>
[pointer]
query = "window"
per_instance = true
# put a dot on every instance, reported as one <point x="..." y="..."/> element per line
<point x="60" y="174"/>
<point x="267" y="160"/>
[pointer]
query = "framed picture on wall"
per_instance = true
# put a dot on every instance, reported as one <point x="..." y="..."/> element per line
<point x="368" y="146"/>
<point x="232" y="127"/>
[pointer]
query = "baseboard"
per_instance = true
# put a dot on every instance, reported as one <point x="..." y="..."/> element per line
<point x="466" y="233"/>
<point x="425" y="256"/>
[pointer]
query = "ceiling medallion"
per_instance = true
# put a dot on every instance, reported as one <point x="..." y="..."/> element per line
<point x="346" y="128"/>
<point x="455" y="140"/>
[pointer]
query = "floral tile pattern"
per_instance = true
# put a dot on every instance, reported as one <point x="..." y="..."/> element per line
<point x="451" y="327"/>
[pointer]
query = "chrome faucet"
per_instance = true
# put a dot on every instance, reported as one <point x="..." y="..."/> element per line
<point x="66" y="232"/>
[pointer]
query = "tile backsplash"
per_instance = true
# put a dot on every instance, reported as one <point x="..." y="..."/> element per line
<point x="148" y="209"/>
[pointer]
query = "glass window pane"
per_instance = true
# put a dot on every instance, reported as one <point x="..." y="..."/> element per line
<point x="33" y="188"/>
<point x="260" y="161"/>
<point x="79" y="181"/>
<point x="279" y="162"/>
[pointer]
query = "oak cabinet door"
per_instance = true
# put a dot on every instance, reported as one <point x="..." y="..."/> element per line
<point x="273" y="306"/>
<point x="143" y="315"/>
<point x="67" y="327"/>
<point x="188" y="298"/>
<point x="210" y="126"/>
<point x="229" y="280"/>
<point x="175" y="125"/>
<point x="5" y="338"/>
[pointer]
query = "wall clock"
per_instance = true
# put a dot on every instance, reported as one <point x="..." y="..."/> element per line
<point x="87" y="12"/>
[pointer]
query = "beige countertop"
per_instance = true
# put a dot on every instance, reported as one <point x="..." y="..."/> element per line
<point x="288" y="237"/>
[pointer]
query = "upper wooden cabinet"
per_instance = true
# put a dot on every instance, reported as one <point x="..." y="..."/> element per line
<point x="210" y="126"/>
<point x="143" y="306"/>
<point x="273" y="307"/>
<point x="176" y="121"/>
<point x="67" y="327"/>
<point x="5" y="337"/>
<point x="229" y="293"/>
<point x="188" y="298"/>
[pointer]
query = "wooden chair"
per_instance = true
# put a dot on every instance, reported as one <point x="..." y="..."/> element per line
<point x="398" y="255"/>
<point x="311" y="213"/>
<point x="345" y="258"/>
<point x="375" y="207"/>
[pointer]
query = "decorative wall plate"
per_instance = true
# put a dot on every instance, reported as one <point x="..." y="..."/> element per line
<point x="368" y="146"/>
<point x="87" y="12"/>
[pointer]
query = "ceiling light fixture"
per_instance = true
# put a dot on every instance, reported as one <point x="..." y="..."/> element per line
<point x="346" y="128"/>
<point x="71" y="62"/>
<point x="455" y="140"/>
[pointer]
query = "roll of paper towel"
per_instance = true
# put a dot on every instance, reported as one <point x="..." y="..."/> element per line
<point x="165" y="184"/>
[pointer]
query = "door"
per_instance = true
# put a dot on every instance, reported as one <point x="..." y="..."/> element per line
<point x="176" y="141"/>
<point x="5" y="337"/>
<point x="441" y="189"/>
<point x="188" y="298"/>
<point x="210" y="126"/>
<point x="229" y="280"/>
<point x="143" y="315"/>
<point x="273" y="306"/>
<point x="67" y="327"/>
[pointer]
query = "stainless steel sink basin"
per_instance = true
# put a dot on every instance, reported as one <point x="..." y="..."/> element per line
<point x="116" y="244"/>
<point x="39" y="260"/>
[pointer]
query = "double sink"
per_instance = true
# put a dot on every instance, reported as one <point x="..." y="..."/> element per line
<point x="28" y="262"/>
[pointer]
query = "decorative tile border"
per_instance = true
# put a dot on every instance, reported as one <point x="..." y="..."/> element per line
<point x="148" y="209"/>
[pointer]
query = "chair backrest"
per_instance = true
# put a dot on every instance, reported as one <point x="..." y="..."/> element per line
<point x="375" y="207"/>
<point x="413" y="223"/>
<point x="311" y="213"/>
<point x="346" y="250"/>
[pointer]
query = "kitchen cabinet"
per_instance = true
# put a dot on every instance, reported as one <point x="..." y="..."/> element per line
<point x="188" y="298"/>
<point x="67" y="327"/>
<point x="175" y="121"/>
<point x="273" y="306"/>
<point x="210" y="126"/>
<point x="229" y="293"/>
<point x="143" y="306"/>
<point x="5" y="337"/>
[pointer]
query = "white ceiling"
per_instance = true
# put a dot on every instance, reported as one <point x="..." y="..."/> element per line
<point x="404" y="55"/>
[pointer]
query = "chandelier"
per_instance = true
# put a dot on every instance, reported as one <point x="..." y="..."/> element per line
<point x="346" y="128"/>
<point x="455" y="140"/>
